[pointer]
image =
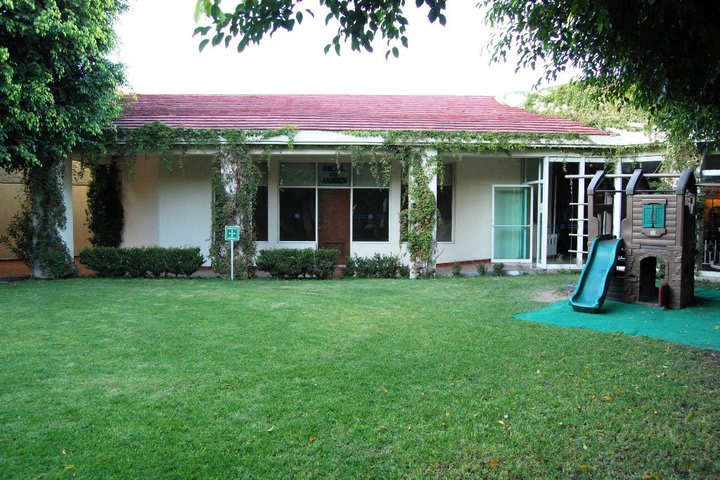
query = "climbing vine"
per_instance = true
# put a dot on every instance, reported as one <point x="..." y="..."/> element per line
<point x="34" y="233"/>
<point x="105" y="212"/>
<point x="235" y="178"/>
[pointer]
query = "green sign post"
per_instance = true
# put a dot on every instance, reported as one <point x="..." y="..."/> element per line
<point x="232" y="234"/>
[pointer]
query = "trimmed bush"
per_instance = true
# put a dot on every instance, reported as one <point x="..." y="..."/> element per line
<point x="325" y="262"/>
<point x="499" y="269"/>
<point x="155" y="259"/>
<point x="139" y="261"/>
<point x="292" y="263"/>
<point x="183" y="261"/>
<point x="377" y="266"/>
<point x="456" y="269"/>
<point x="481" y="269"/>
<point x="135" y="261"/>
<point x="106" y="261"/>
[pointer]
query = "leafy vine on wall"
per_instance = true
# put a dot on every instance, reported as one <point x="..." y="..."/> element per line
<point x="235" y="178"/>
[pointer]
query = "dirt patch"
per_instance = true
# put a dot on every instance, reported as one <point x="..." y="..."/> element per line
<point x="551" y="296"/>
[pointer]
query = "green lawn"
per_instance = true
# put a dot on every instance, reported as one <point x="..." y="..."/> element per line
<point x="338" y="379"/>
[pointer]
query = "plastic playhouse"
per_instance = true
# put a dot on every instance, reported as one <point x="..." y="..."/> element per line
<point x="658" y="229"/>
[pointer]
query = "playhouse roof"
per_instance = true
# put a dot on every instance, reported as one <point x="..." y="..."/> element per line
<point x="343" y="112"/>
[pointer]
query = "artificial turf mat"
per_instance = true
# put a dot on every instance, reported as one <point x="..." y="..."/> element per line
<point x="697" y="325"/>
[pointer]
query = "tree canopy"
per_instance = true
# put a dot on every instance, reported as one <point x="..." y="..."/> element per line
<point x="58" y="89"/>
<point x="659" y="56"/>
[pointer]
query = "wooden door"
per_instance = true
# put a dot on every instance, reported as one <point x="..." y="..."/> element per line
<point x="334" y="221"/>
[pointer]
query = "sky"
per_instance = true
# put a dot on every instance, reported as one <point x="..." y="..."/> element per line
<point x="161" y="56"/>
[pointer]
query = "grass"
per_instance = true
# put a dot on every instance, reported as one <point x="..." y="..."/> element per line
<point x="338" y="379"/>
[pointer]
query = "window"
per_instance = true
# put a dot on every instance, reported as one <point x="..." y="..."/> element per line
<point x="653" y="216"/>
<point x="297" y="202"/>
<point x="511" y="222"/>
<point x="370" y="214"/>
<point x="444" y="205"/>
<point x="260" y="220"/>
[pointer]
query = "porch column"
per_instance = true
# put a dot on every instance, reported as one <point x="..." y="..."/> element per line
<point x="417" y="266"/>
<point x="62" y="172"/>
<point x="617" y="201"/>
<point x="545" y="217"/>
<point x="67" y="233"/>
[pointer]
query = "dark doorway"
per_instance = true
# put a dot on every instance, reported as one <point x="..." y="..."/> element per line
<point x="648" y="279"/>
<point x="334" y="220"/>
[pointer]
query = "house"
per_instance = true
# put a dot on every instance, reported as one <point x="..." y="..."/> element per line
<point x="512" y="188"/>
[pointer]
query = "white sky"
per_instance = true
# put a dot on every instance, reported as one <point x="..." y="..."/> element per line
<point x="161" y="56"/>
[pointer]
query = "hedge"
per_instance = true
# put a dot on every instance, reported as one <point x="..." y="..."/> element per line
<point x="141" y="261"/>
<point x="377" y="266"/>
<point x="292" y="263"/>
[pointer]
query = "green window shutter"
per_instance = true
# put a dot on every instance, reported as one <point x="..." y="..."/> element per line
<point x="647" y="221"/>
<point x="659" y="221"/>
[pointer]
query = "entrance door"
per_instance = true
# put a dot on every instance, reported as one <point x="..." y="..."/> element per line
<point x="334" y="220"/>
<point x="512" y="223"/>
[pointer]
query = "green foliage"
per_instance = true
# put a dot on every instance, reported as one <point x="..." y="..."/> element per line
<point x="183" y="261"/>
<point x="57" y="87"/>
<point x="589" y="104"/>
<point x="106" y="261"/>
<point x="481" y="269"/>
<point x="358" y="22"/>
<point x="377" y="266"/>
<point x="19" y="236"/>
<point x="657" y="57"/>
<point x="47" y="210"/>
<point x="456" y="269"/>
<point x="57" y="92"/>
<point x="137" y="262"/>
<point x="290" y="263"/>
<point x="498" y="269"/>
<point x="105" y="209"/>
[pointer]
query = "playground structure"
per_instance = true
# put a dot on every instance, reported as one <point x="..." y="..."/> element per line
<point x="658" y="229"/>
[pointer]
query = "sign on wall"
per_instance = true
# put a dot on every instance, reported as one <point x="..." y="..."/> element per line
<point x="333" y="174"/>
<point x="232" y="233"/>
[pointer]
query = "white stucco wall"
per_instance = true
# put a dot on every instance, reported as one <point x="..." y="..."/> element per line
<point x="185" y="205"/>
<point x="140" y="203"/>
<point x="472" y="207"/>
<point x="169" y="208"/>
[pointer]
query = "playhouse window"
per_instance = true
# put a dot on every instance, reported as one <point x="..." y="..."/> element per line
<point x="653" y="216"/>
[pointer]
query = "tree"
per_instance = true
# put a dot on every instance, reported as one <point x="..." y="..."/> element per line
<point x="659" y="56"/>
<point x="58" y="90"/>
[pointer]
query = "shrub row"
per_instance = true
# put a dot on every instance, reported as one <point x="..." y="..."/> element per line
<point x="139" y="262"/>
<point x="377" y="266"/>
<point x="293" y="263"/>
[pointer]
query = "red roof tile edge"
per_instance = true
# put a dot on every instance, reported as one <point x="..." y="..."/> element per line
<point x="338" y="113"/>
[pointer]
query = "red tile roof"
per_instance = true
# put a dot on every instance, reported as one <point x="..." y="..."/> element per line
<point x="343" y="112"/>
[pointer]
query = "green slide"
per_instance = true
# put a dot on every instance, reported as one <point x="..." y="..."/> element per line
<point x="595" y="278"/>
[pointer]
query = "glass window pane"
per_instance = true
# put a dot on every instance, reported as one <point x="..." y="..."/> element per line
<point x="365" y="176"/>
<point x="333" y="174"/>
<point x="370" y="215"/>
<point x="297" y="214"/>
<point x="512" y="243"/>
<point x="261" y="214"/>
<point x="444" y="205"/>
<point x="511" y="206"/>
<point x="531" y="169"/>
<point x="297" y="174"/>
